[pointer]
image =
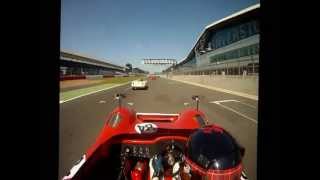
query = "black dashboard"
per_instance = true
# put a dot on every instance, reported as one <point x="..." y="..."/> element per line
<point x="141" y="150"/>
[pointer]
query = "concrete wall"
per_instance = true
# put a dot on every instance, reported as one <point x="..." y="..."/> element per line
<point x="243" y="84"/>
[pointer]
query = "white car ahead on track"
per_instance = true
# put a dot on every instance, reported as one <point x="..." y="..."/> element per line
<point x="139" y="84"/>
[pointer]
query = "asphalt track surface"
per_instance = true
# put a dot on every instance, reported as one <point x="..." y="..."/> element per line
<point x="82" y="119"/>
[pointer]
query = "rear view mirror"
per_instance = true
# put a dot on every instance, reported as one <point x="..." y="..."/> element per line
<point x="196" y="98"/>
<point x="118" y="97"/>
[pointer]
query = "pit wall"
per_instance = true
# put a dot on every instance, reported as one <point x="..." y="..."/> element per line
<point x="90" y="77"/>
<point x="248" y="84"/>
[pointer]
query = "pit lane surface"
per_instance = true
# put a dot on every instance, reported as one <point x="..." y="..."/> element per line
<point x="82" y="119"/>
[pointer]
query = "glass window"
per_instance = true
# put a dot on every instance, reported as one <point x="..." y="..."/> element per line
<point x="235" y="54"/>
<point x="243" y="52"/>
<point x="221" y="42"/>
<point x="251" y="28"/>
<point x="212" y="59"/>
<point x="250" y="31"/>
<point x="231" y="56"/>
<point x="247" y="51"/>
<point x="230" y="36"/>
<point x="225" y="41"/>
<point x="254" y="27"/>
<point x="243" y="31"/>
<point x="226" y="37"/>
<point x="227" y="55"/>
<point x="236" y="33"/>
<point x="256" y="49"/>
<point x="250" y="50"/>
<point x="213" y="45"/>
<point x="253" y="49"/>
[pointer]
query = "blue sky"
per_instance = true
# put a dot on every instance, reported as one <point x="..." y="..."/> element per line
<point x="122" y="31"/>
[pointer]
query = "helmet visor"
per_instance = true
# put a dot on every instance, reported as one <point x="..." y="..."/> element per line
<point x="212" y="174"/>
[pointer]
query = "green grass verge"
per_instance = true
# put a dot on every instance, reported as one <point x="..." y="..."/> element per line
<point x="109" y="82"/>
<point x="120" y="79"/>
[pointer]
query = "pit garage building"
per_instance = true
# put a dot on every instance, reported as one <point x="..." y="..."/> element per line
<point x="229" y="46"/>
<point x="75" y="64"/>
<point x="139" y="71"/>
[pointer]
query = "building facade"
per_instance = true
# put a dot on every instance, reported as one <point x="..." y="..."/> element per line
<point x="75" y="64"/>
<point x="229" y="46"/>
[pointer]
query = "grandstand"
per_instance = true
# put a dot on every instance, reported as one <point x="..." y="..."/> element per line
<point x="229" y="46"/>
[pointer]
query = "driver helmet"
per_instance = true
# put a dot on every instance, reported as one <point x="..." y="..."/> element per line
<point x="213" y="154"/>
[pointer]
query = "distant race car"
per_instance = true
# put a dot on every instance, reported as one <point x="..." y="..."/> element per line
<point x="139" y="84"/>
<point x="152" y="77"/>
<point x="156" y="146"/>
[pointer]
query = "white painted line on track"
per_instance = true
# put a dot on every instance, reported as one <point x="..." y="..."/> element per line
<point x="230" y="109"/>
<point x="130" y="103"/>
<point x="186" y="104"/>
<point x="63" y="101"/>
<point x="102" y="101"/>
<point x="254" y="107"/>
<point x="230" y="100"/>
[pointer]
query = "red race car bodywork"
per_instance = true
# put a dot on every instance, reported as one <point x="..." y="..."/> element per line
<point x="125" y="126"/>
<point x="130" y="121"/>
<point x="130" y="141"/>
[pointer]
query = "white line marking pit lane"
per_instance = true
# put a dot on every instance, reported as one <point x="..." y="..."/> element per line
<point x="230" y="109"/>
